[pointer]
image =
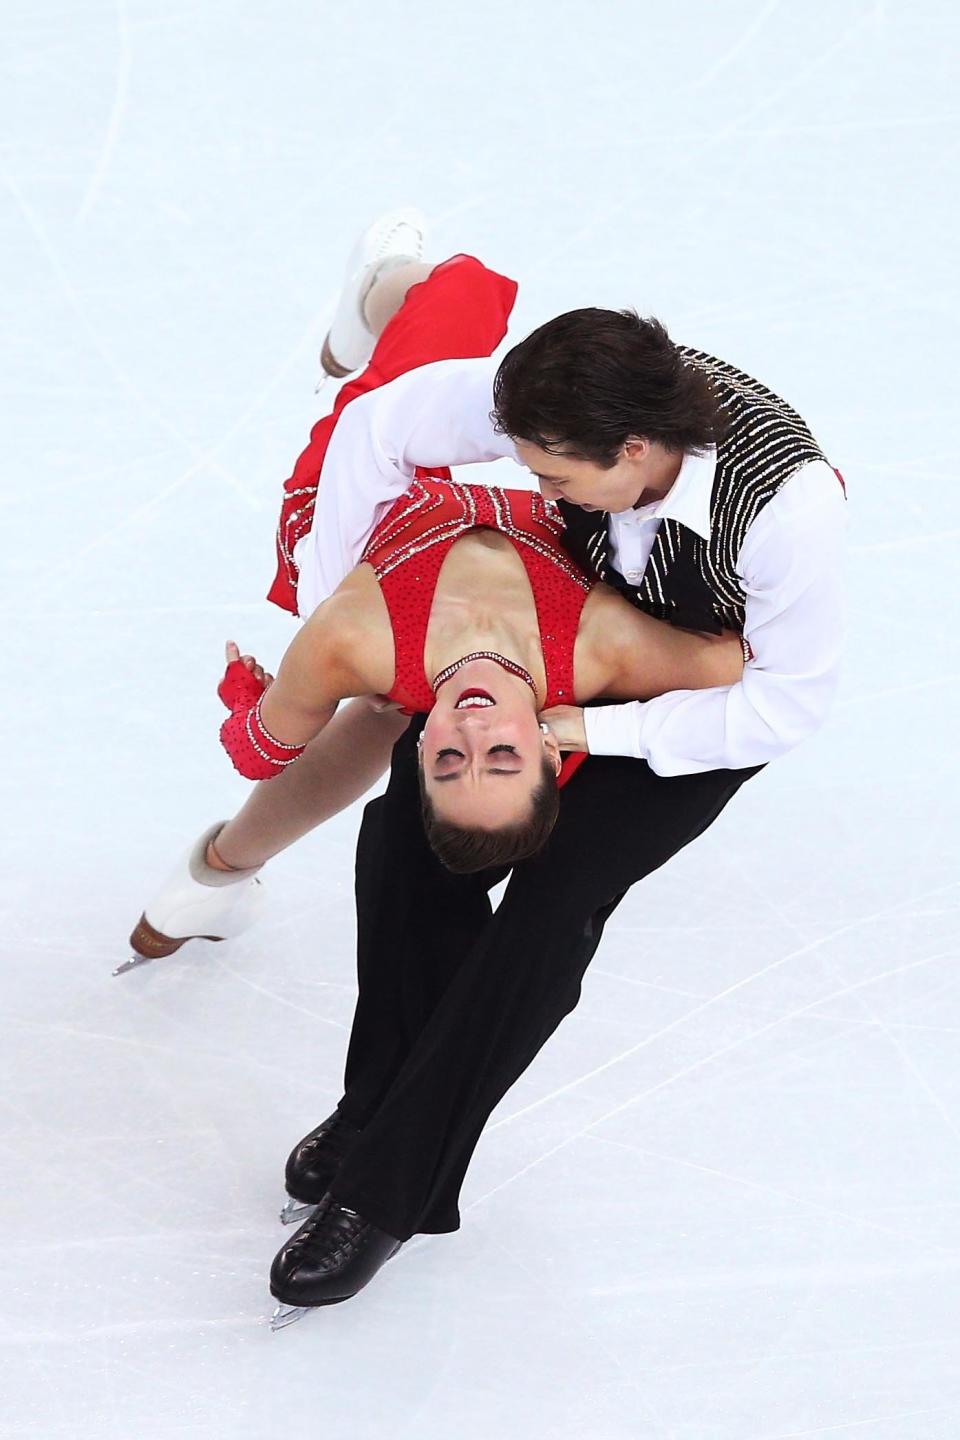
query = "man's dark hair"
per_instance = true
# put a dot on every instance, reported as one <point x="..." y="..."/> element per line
<point x="464" y="851"/>
<point x="585" y="381"/>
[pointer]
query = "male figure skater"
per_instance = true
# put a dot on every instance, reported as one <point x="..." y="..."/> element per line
<point x="706" y="500"/>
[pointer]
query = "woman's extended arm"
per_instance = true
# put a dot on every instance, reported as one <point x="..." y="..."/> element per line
<point x="791" y="567"/>
<point x="272" y="720"/>
<point x="641" y="657"/>
<point x="624" y="654"/>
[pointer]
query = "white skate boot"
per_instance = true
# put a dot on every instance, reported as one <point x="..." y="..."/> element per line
<point x="195" y="902"/>
<point x="394" y="238"/>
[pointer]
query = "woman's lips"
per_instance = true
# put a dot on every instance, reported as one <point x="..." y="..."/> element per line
<point x="474" y="700"/>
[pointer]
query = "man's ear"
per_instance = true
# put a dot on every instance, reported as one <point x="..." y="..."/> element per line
<point x="636" y="447"/>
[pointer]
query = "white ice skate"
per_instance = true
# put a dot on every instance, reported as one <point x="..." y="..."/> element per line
<point x="195" y="902"/>
<point x="392" y="239"/>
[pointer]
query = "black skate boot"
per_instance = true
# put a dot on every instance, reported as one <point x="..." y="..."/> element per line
<point x="312" y="1165"/>
<point x="332" y="1256"/>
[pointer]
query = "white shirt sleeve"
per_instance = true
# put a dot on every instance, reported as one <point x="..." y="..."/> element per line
<point x="791" y="565"/>
<point x="438" y="414"/>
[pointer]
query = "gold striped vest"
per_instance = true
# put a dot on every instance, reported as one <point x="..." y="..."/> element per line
<point x="688" y="580"/>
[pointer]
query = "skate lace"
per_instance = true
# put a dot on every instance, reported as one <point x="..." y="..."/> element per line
<point x="385" y="243"/>
<point x="331" y="1229"/>
<point x="337" y="1139"/>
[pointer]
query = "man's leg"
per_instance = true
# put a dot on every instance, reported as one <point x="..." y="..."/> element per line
<point x="415" y="921"/>
<point x="505" y="995"/>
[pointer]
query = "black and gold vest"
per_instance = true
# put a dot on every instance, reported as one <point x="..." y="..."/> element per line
<point x="688" y="580"/>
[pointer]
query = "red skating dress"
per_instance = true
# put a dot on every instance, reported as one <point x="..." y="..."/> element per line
<point x="409" y="546"/>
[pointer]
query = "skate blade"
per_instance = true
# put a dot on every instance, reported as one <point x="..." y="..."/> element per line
<point x="295" y="1212"/>
<point x="285" y="1315"/>
<point x="132" y="963"/>
<point x="148" y="944"/>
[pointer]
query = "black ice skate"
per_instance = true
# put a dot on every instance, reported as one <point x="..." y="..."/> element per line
<point x="332" y="1256"/>
<point x="312" y="1164"/>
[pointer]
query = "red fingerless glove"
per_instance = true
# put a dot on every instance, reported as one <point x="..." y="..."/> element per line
<point x="256" y="753"/>
<point x="239" y="688"/>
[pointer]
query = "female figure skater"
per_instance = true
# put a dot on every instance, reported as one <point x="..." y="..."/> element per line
<point x="457" y="600"/>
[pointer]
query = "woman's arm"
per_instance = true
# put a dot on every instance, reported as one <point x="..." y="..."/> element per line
<point x="271" y="721"/>
<point x="305" y="694"/>
<point x="791" y="567"/>
<point x="638" y="657"/>
<point x="624" y="654"/>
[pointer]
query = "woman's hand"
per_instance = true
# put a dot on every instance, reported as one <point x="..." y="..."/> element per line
<point x="248" y="661"/>
<point x="244" y="681"/>
<point x="566" y="725"/>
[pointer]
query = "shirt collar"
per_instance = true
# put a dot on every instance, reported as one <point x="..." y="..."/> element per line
<point x="688" y="499"/>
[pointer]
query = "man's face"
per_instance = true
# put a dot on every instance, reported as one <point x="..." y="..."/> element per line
<point x="583" y="483"/>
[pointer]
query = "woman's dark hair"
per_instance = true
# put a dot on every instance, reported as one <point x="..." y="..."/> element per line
<point x="465" y="851"/>
<point x="585" y="381"/>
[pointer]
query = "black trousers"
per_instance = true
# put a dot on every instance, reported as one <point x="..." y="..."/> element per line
<point x="454" y="1000"/>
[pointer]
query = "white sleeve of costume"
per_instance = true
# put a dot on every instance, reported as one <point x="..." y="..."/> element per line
<point x="438" y="414"/>
<point x="791" y="565"/>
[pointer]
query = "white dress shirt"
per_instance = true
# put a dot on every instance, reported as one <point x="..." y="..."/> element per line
<point x="790" y="566"/>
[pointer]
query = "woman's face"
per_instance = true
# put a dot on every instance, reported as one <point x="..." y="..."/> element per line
<point x="482" y="749"/>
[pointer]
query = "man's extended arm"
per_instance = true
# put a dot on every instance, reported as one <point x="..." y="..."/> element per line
<point x="436" y="415"/>
<point x="791" y="564"/>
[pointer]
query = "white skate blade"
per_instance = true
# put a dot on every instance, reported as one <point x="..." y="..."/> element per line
<point x="132" y="963"/>
<point x="285" y="1315"/>
<point x="295" y="1212"/>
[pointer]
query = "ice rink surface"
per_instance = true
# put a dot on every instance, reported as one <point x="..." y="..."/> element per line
<point x="724" y="1202"/>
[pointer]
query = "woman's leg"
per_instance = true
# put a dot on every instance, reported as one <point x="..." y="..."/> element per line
<point x="389" y="290"/>
<point x="336" y="768"/>
<point x="456" y="309"/>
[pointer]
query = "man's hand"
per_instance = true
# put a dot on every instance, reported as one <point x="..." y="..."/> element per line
<point x="566" y="724"/>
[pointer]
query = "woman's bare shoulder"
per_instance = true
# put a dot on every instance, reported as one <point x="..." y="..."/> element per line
<point x="606" y="620"/>
<point x="350" y="631"/>
<point x="600" y="641"/>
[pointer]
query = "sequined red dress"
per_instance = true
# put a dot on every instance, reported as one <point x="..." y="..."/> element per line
<point x="409" y="546"/>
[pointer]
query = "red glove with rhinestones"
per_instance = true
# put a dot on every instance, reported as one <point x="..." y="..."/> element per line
<point x="240" y="687"/>
<point x="256" y="753"/>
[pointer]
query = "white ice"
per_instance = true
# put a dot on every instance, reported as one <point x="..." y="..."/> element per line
<point x="724" y="1202"/>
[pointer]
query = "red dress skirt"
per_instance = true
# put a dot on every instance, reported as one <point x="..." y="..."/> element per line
<point x="459" y="312"/>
